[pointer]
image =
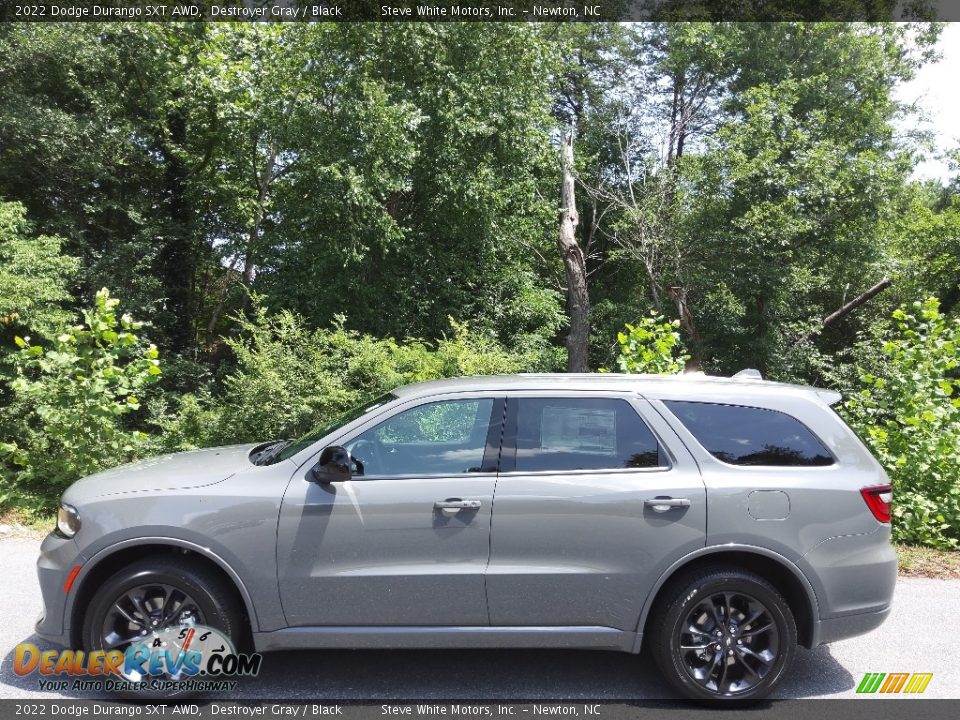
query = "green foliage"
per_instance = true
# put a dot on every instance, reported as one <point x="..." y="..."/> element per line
<point x="908" y="412"/>
<point x="76" y="154"/>
<point x="427" y="189"/>
<point x="800" y="180"/>
<point x="34" y="276"/>
<point x="926" y="244"/>
<point x="652" y="346"/>
<point x="288" y="378"/>
<point x="404" y="165"/>
<point x="71" y="402"/>
<point x="776" y="195"/>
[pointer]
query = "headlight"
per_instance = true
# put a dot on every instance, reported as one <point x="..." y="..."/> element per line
<point x="68" y="520"/>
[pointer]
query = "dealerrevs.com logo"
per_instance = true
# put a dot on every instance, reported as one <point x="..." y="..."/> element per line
<point x="188" y="658"/>
<point x="890" y="683"/>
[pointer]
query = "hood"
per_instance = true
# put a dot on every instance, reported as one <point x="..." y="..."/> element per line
<point x="166" y="472"/>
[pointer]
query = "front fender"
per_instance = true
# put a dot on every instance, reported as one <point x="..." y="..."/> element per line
<point x="236" y="529"/>
<point x="148" y="543"/>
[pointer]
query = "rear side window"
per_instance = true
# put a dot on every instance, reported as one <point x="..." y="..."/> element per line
<point x="742" y="435"/>
<point x="557" y="434"/>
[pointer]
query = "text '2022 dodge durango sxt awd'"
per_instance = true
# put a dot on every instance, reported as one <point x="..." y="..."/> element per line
<point x="721" y="521"/>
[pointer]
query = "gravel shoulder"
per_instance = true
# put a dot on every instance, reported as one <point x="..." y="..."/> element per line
<point x="907" y="642"/>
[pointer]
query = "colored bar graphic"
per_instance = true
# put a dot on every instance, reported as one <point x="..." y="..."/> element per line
<point x="870" y="682"/>
<point x="894" y="683"/>
<point x="918" y="682"/>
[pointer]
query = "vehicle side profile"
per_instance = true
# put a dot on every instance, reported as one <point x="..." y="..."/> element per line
<point x="719" y="521"/>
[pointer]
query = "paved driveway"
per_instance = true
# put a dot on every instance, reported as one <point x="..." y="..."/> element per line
<point x="914" y="639"/>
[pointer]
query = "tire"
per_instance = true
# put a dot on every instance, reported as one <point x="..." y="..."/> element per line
<point x="756" y="644"/>
<point x="210" y="600"/>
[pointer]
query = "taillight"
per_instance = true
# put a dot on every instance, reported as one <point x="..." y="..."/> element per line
<point x="878" y="499"/>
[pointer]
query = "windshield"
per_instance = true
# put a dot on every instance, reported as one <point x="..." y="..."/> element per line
<point x="311" y="437"/>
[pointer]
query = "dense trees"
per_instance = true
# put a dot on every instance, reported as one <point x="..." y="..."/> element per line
<point x="405" y="166"/>
<point x="282" y="200"/>
<point x="743" y="178"/>
<point x="753" y="178"/>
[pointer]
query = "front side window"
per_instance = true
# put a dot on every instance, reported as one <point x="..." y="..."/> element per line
<point x="557" y="434"/>
<point x="447" y="437"/>
<point x="305" y="441"/>
<point x="741" y="435"/>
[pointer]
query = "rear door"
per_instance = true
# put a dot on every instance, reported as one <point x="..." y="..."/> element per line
<point x="595" y="499"/>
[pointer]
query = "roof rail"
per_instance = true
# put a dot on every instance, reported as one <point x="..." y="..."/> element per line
<point x="750" y="373"/>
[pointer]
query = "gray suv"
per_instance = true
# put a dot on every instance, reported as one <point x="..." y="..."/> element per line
<point x="719" y="521"/>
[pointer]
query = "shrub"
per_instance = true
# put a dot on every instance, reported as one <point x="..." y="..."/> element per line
<point x="287" y="377"/>
<point x="71" y="402"/>
<point x="908" y="412"/>
<point x="651" y="346"/>
<point x="34" y="276"/>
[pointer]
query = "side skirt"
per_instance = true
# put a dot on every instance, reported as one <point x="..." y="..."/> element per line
<point x="401" y="637"/>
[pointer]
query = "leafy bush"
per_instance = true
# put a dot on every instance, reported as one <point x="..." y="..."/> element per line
<point x="651" y="346"/>
<point x="287" y="378"/>
<point x="908" y="412"/>
<point x="34" y="275"/>
<point x="71" y="402"/>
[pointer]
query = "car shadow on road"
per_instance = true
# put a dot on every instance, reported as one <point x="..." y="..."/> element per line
<point x="499" y="675"/>
<point x="467" y="674"/>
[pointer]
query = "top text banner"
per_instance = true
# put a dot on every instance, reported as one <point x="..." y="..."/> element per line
<point x="477" y="10"/>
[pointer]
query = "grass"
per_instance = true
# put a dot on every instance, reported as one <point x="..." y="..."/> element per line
<point x="916" y="561"/>
<point x="15" y="522"/>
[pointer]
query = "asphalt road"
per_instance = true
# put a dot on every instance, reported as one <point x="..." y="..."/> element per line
<point x="916" y="638"/>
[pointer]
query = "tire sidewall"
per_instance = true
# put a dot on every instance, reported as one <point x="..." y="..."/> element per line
<point x="216" y="612"/>
<point x="669" y="645"/>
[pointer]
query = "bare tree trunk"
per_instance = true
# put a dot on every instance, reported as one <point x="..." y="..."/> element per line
<point x="847" y="308"/>
<point x="679" y="296"/>
<point x="857" y="302"/>
<point x="675" y="113"/>
<point x="574" y="263"/>
<point x="221" y="303"/>
<point x="249" y="272"/>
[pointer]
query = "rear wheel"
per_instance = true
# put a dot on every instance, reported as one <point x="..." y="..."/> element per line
<point x="153" y="599"/>
<point x="723" y="633"/>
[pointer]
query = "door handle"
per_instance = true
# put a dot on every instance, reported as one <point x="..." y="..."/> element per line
<point x="661" y="505"/>
<point x="454" y="505"/>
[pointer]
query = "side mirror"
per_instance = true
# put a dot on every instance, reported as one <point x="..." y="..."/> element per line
<point x="333" y="466"/>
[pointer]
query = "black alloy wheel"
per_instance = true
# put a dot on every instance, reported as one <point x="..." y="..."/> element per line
<point x="723" y="633"/>
<point x="157" y="594"/>
<point x="145" y="610"/>
<point x="728" y="643"/>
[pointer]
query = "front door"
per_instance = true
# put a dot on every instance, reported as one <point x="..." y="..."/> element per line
<point x="593" y="503"/>
<point x="406" y="540"/>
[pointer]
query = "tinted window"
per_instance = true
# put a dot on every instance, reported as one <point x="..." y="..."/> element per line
<point x="750" y="436"/>
<point x="581" y="434"/>
<point x="439" y="438"/>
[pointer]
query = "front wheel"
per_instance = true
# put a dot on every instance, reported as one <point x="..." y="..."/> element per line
<point x="154" y="599"/>
<point x="723" y="633"/>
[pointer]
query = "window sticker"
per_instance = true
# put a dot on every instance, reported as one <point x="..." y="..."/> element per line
<point x="573" y="429"/>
